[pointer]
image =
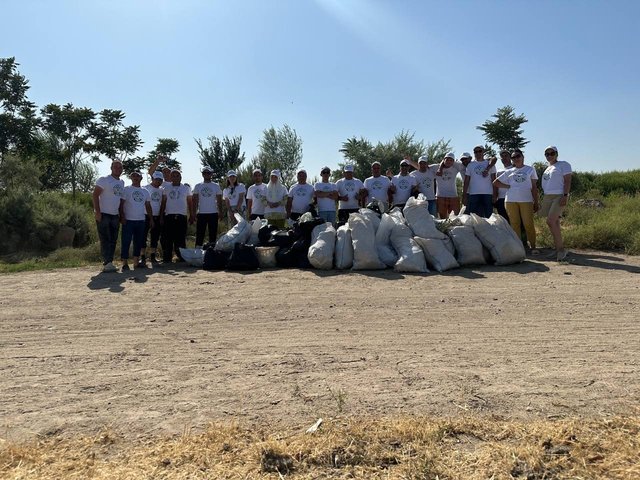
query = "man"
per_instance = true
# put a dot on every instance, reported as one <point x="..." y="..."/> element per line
<point x="300" y="197"/>
<point x="349" y="194"/>
<point x="256" y="196"/>
<point x="155" y="198"/>
<point x="106" y="198"/>
<point x="425" y="176"/>
<point x="176" y="209"/>
<point x="477" y="190"/>
<point x="403" y="185"/>
<point x="447" y="199"/>
<point x="326" y="194"/>
<point x="499" y="194"/>
<point x="134" y="206"/>
<point x="376" y="187"/>
<point x="166" y="171"/>
<point x="207" y="202"/>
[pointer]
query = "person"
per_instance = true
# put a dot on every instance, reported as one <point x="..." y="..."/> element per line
<point x="477" y="189"/>
<point x="152" y="227"/>
<point x="403" y="186"/>
<point x="349" y="194"/>
<point x="447" y="199"/>
<point x="106" y="197"/>
<point x="276" y="199"/>
<point x="256" y="196"/>
<point x="300" y="197"/>
<point x="425" y="176"/>
<point x="135" y="207"/>
<point x="233" y="196"/>
<point x="521" y="201"/>
<point x="326" y="194"/>
<point x="175" y="211"/>
<point x="164" y="168"/>
<point x="556" y="186"/>
<point x="376" y="187"/>
<point x="207" y="203"/>
<point x="499" y="194"/>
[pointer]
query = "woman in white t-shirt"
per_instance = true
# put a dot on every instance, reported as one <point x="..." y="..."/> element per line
<point x="233" y="196"/>
<point x="276" y="201"/>
<point x="556" y="185"/>
<point x="521" y="200"/>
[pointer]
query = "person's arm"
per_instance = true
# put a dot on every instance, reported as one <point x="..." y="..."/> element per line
<point x="96" y="203"/>
<point x="465" y="187"/>
<point x="240" y="200"/>
<point x="534" y="194"/>
<point x="192" y="215"/>
<point x="288" y="207"/>
<point x="163" y="206"/>
<point x="492" y="163"/>
<point x="195" y="199"/>
<point x="123" y="220"/>
<point x="154" y="165"/>
<point x="249" y="206"/>
<point x="147" y="207"/>
<point x="219" y="200"/>
<point x="413" y="163"/>
<point x="498" y="184"/>
<point x="566" y="190"/>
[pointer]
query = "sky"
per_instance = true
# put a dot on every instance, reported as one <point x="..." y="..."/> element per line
<point x="333" y="69"/>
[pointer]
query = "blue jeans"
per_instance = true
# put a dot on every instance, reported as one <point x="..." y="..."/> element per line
<point x="133" y="229"/>
<point x="481" y="205"/>
<point x="328" y="216"/>
<point x="433" y="207"/>
<point x="108" y="234"/>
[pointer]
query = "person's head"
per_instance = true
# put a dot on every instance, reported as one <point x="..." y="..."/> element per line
<point x="551" y="154"/>
<point x="423" y="164"/>
<point x="257" y="176"/>
<point x="232" y="178"/>
<point x="478" y="152"/>
<point x="505" y="157"/>
<point x="324" y="173"/>
<point x="465" y="159"/>
<point x="166" y="173"/>
<point x="449" y="158"/>
<point x="348" y="172"/>
<point x="517" y="158"/>
<point x="136" y="178"/>
<point x="404" y="168"/>
<point x="116" y="168"/>
<point x="176" y="177"/>
<point x="376" y="169"/>
<point x="274" y="177"/>
<point x="302" y="176"/>
<point x="207" y="173"/>
<point x="156" y="179"/>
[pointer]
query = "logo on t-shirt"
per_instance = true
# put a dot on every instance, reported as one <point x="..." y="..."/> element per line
<point x="301" y="193"/>
<point x="137" y="196"/>
<point x="376" y="185"/>
<point x="258" y="194"/>
<point x="546" y="176"/>
<point x="447" y="176"/>
<point x="519" y="177"/>
<point x="404" y="184"/>
<point x="174" y="194"/>
<point x="349" y="186"/>
<point x="155" y="196"/>
<point x="118" y="191"/>
<point x="206" y="192"/>
<point x="478" y="169"/>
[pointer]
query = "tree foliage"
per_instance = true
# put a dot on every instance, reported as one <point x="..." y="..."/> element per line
<point x="221" y="155"/>
<point x="506" y="130"/>
<point x="279" y="149"/>
<point x="165" y="148"/>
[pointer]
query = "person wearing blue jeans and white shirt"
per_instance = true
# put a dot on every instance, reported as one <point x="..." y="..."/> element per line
<point x="326" y="194"/>
<point x="106" y="197"/>
<point x="377" y="186"/>
<point x="300" y="197"/>
<point x="477" y="190"/>
<point x="175" y="212"/>
<point x="425" y="176"/>
<point x="135" y="204"/>
<point x="155" y="193"/>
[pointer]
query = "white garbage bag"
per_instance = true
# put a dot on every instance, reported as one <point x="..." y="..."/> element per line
<point x="410" y="256"/>
<point x="193" y="256"/>
<point x="323" y="241"/>
<point x="496" y="234"/>
<point x="255" y="229"/>
<point x="363" y="239"/>
<point x="240" y="233"/>
<point x="386" y="253"/>
<point x="468" y="247"/>
<point x="437" y="253"/>
<point x="417" y="215"/>
<point x="343" y="254"/>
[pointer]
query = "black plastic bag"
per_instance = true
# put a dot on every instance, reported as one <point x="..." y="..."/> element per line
<point x="281" y="238"/>
<point x="215" y="259"/>
<point x="243" y="258"/>
<point x="264" y="234"/>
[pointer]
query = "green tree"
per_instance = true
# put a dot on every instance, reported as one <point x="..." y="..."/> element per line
<point x="221" y="155"/>
<point x="166" y="148"/>
<point x="506" y="130"/>
<point x="279" y="149"/>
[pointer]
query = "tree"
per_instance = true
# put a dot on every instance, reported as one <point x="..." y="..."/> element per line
<point x="221" y="155"/>
<point x="87" y="176"/>
<point x="279" y="149"/>
<point x="18" y="119"/>
<point x="505" y="131"/>
<point x="165" y="147"/>
<point x="112" y="138"/>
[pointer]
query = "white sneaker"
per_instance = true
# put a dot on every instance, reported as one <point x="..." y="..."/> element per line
<point x="109" y="268"/>
<point x="562" y="254"/>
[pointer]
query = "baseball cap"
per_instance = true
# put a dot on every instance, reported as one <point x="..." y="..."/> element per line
<point x="551" y="147"/>
<point x="232" y="173"/>
<point x="424" y="159"/>
<point x="348" y="168"/>
<point x="464" y="155"/>
<point x="404" y="163"/>
<point x="325" y="169"/>
<point x="207" y="169"/>
<point x="257" y="170"/>
<point x="376" y="163"/>
<point x="453" y="155"/>
<point x="157" y="174"/>
<point x="275" y="172"/>
<point x="302" y="170"/>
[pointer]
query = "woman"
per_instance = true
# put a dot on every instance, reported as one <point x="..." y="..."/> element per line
<point x="275" y="201"/>
<point x="521" y="200"/>
<point x="233" y="196"/>
<point x="556" y="185"/>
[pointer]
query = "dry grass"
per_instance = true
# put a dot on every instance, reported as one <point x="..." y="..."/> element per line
<point x="468" y="447"/>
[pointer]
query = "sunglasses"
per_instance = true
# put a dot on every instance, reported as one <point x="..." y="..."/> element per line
<point x="478" y="151"/>
<point x="549" y="154"/>
<point x="513" y="157"/>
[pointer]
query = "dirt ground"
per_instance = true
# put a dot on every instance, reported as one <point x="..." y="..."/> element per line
<point x="165" y="350"/>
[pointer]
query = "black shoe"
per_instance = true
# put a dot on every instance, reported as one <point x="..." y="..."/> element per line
<point x="153" y="258"/>
<point x="125" y="267"/>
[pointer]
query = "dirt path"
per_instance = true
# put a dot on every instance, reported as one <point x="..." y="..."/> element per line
<point x="160" y="352"/>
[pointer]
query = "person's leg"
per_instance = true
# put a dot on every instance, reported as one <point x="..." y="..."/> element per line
<point x="441" y="203"/>
<point x="138" y="239"/>
<point x="147" y="228"/>
<point x="181" y="237"/>
<point x="213" y="227"/>
<point x="326" y="216"/>
<point x="155" y="236"/>
<point x="103" y="236"/>
<point x="433" y="210"/>
<point x="526" y="214"/>
<point x="125" y="243"/>
<point x="473" y="204"/>
<point x="502" y="211"/>
<point x="114" y="227"/>
<point x="167" y="239"/>
<point x="514" y="216"/>
<point x="486" y="205"/>
<point x="201" y="225"/>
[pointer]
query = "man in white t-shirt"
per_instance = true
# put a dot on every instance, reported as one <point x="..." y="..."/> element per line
<point x="300" y="197"/>
<point x="425" y="176"/>
<point x="403" y="185"/>
<point x="447" y="199"/>
<point x="256" y="196"/>
<point x="155" y="196"/>
<point x="106" y="197"/>
<point x="207" y="203"/>
<point x="477" y="190"/>
<point x="326" y="194"/>
<point x="135" y="205"/>
<point x="175" y="212"/>
<point x="349" y="194"/>
<point x="376" y="187"/>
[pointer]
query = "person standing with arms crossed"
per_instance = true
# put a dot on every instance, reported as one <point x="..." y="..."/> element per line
<point x="175" y="212"/>
<point x="207" y="202"/>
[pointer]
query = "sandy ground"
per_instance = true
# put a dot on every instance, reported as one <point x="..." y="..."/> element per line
<point x="157" y="352"/>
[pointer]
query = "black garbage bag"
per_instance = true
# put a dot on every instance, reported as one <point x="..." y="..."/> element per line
<point x="215" y="259"/>
<point x="243" y="258"/>
<point x="287" y="258"/>
<point x="264" y="234"/>
<point x="304" y="229"/>
<point x="374" y="206"/>
<point x="281" y="238"/>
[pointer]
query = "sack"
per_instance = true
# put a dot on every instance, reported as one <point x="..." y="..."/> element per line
<point x="468" y="247"/>
<point x="193" y="256"/>
<point x="243" y="258"/>
<point x="372" y="217"/>
<point x="323" y="241"/>
<point x="281" y="238"/>
<point x="410" y="256"/>
<point x="363" y="239"/>
<point x="437" y="254"/>
<point x="256" y="225"/>
<point x="304" y="229"/>
<point x="498" y="237"/>
<point x="264" y="234"/>
<point x="416" y="213"/>
<point x="215" y="259"/>
<point x="238" y="234"/>
<point x="267" y="256"/>
<point x="343" y="254"/>
<point x="386" y="253"/>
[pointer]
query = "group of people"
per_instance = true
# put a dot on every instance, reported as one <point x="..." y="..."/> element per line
<point x="162" y="210"/>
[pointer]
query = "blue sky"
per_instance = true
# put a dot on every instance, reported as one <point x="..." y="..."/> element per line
<point x="333" y="69"/>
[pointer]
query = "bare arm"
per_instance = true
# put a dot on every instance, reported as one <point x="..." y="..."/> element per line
<point x="154" y="165"/>
<point x="195" y="198"/>
<point x="288" y="207"/>
<point x="96" y="202"/>
<point x="567" y="189"/>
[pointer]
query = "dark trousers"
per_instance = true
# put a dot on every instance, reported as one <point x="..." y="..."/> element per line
<point x="204" y="221"/>
<point x="174" y="236"/>
<point x="343" y="214"/>
<point x="108" y="234"/>
<point x="481" y="205"/>
<point x="155" y="231"/>
<point x="295" y="216"/>
<point x="501" y="210"/>
<point x="132" y="230"/>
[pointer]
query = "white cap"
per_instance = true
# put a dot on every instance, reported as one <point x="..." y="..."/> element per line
<point x="231" y="173"/>
<point x="275" y="172"/>
<point x="464" y="155"/>
<point x="479" y="146"/>
<point x="257" y="170"/>
<point x="452" y="155"/>
<point x="551" y="147"/>
<point x="301" y="170"/>
<point x="348" y="168"/>
<point x="404" y="162"/>
<point x="424" y="159"/>
<point x="207" y="169"/>
<point x="157" y="174"/>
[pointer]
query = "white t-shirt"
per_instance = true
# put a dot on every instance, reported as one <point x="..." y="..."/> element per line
<point x="350" y="188"/>
<point x="502" y="192"/>
<point x="378" y="188"/>
<point x="134" y="202"/>
<point x="279" y="196"/>
<point x="403" y="185"/>
<point x="446" y="183"/>
<point x="235" y="196"/>
<point x="479" y="185"/>
<point x="207" y="196"/>
<point x="553" y="178"/>
<point x="426" y="181"/>
<point x="112" y="193"/>
<point x="301" y="197"/>
<point x="326" y="204"/>
<point x="176" y="196"/>
<point x="155" y="197"/>
<point x="258" y="196"/>
<point x="519" y="181"/>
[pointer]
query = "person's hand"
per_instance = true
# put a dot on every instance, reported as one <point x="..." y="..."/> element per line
<point x="192" y="220"/>
<point x="536" y="206"/>
<point x="485" y="172"/>
<point x="98" y="216"/>
<point x="161" y="220"/>
<point x="439" y="172"/>
<point x="123" y="221"/>
<point x="563" y="201"/>
<point x="392" y="188"/>
<point x="465" y="197"/>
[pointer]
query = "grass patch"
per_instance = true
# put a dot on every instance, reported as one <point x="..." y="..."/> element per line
<point x="61" y="258"/>
<point x="470" y="447"/>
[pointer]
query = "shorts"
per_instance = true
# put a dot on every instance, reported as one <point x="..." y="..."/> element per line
<point x="446" y="205"/>
<point x="551" y="206"/>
